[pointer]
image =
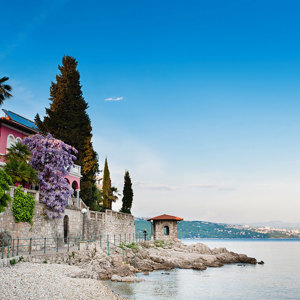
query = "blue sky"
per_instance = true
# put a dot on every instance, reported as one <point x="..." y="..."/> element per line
<point x="209" y="123"/>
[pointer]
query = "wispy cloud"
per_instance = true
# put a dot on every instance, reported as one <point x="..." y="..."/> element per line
<point x="114" y="99"/>
<point x="166" y="187"/>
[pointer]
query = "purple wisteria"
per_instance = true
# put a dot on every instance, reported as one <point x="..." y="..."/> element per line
<point x="52" y="159"/>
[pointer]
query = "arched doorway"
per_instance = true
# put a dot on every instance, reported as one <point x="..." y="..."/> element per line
<point x="66" y="228"/>
<point x="74" y="187"/>
<point x="166" y="230"/>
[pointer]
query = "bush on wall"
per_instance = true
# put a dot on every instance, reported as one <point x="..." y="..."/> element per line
<point x="5" y="182"/>
<point x="23" y="206"/>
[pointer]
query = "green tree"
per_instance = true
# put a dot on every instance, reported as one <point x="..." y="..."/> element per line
<point x="23" y="206"/>
<point x="5" y="90"/>
<point x="66" y="119"/>
<point x="40" y="124"/>
<point x="109" y="192"/>
<point x="17" y="166"/>
<point x="5" y="182"/>
<point x="127" y="194"/>
<point x="97" y="194"/>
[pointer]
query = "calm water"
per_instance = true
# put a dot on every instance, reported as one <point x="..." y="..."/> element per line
<point x="279" y="278"/>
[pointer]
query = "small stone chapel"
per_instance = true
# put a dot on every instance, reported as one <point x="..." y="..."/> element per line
<point x="164" y="227"/>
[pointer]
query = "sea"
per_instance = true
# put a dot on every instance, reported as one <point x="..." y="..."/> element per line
<point x="278" y="278"/>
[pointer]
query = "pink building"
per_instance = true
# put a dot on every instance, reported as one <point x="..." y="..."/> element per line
<point x="13" y="128"/>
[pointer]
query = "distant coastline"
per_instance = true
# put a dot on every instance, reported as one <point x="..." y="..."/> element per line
<point x="210" y="230"/>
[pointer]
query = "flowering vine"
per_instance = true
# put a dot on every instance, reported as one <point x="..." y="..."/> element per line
<point x="52" y="159"/>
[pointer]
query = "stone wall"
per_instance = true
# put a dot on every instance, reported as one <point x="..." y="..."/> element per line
<point x="118" y="226"/>
<point x="51" y="229"/>
<point x="86" y="226"/>
<point x="158" y="227"/>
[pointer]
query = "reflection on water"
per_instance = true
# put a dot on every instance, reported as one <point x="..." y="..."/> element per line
<point x="279" y="278"/>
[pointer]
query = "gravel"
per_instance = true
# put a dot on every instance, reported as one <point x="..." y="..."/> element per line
<point x="50" y="281"/>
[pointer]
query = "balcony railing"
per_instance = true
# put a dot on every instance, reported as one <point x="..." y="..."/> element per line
<point x="75" y="171"/>
<point x="73" y="202"/>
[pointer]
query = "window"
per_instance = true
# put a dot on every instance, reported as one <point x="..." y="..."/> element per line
<point x="10" y="141"/>
<point x="18" y="140"/>
<point x="166" y="230"/>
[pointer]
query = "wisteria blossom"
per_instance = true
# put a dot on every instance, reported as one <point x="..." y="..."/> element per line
<point x="53" y="159"/>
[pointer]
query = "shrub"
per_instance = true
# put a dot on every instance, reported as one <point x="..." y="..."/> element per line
<point x="17" y="166"/>
<point x="12" y="262"/>
<point x="162" y="243"/>
<point x="159" y="243"/>
<point x="132" y="246"/>
<point x="23" y="206"/>
<point x="5" y="182"/>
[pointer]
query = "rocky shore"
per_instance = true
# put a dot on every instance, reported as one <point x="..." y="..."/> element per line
<point x="95" y="262"/>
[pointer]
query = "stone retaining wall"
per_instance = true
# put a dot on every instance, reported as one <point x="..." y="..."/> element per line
<point x="88" y="226"/>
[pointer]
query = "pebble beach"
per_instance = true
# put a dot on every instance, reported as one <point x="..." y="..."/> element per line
<point x="50" y="281"/>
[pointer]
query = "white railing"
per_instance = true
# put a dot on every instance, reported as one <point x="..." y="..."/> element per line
<point x="73" y="202"/>
<point x="75" y="171"/>
<point x="35" y="194"/>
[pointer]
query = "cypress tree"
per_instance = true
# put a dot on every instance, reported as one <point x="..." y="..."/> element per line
<point x="66" y="119"/>
<point x="106" y="186"/>
<point x="109" y="192"/>
<point x="127" y="194"/>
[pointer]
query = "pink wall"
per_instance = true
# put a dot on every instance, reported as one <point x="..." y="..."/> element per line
<point x="4" y="132"/>
<point x="72" y="178"/>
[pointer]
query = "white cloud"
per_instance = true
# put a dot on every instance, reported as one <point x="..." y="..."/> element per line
<point x="166" y="187"/>
<point x="114" y="99"/>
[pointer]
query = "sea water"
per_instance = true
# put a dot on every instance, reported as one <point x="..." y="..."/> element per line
<point x="278" y="278"/>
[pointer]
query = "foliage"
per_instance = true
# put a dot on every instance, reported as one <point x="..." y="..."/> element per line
<point x="5" y="182"/>
<point x="53" y="159"/>
<point x="98" y="195"/>
<point x="162" y="244"/>
<point x="133" y="246"/>
<point x="66" y="119"/>
<point x="109" y="193"/>
<point x="5" y="90"/>
<point x="159" y="243"/>
<point x="23" y="206"/>
<point x="17" y="166"/>
<point x="106" y="185"/>
<point x="12" y="261"/>
<point x="40" y="124"/>
<point x="127" y="194"/>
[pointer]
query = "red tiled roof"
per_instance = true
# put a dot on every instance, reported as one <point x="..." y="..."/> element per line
<point x="165" y="217"/>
